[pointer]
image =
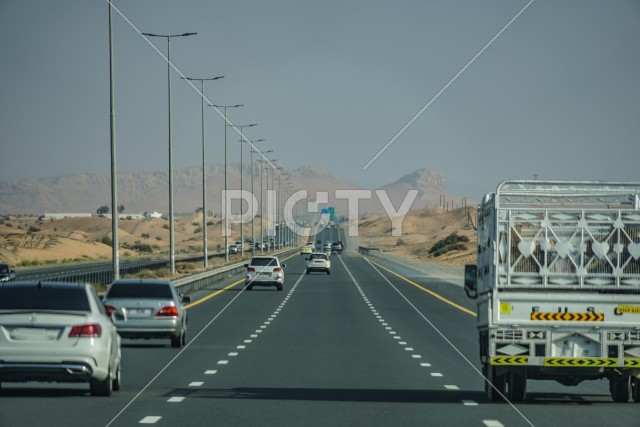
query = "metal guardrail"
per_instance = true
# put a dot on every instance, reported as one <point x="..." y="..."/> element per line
<point x="202" y="280"/>
<point x="102" y="273"/>
<point x="368" y="250"/>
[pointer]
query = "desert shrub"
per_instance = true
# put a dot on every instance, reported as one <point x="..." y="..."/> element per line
<point x="400" y="242"/>
<point x="158" y="238"/>
<point x="209" y="223"/>
<point x="33" y="229"/>
<point x="165" y="226"/>
<point x="145" y="235"/>
<point x="106" y="240"/>
<point x="197" y="230"/>
<point x="452" y="242"/>
<point x="141" y="247"/>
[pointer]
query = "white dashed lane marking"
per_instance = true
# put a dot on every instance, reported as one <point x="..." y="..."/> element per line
<point x="175" y="399"/>
<point x="149" y="420"/>
<point x="451" y="387"/>
<point x="436" y="374"/>
<point x="223" y="362"/>
<point x="196" y="384"/>
<point x="469" y="403"/>
<point x="492" y="423"/>
<point x="211" y="372"/>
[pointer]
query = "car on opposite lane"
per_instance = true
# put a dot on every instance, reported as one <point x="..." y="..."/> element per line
<point x="264" y="271"/>
<point x="6" y="273"/>
<point x="57" y="332"/>
<point x="318" y="261"/>
<point x="152" y="308"/>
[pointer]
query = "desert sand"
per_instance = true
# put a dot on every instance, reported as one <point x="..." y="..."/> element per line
<point x="28" y="241"/>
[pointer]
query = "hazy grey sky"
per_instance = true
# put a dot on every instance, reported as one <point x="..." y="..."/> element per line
<point x="330" y="83"/>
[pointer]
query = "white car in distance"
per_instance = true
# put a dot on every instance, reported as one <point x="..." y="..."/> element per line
<point x="318" y="261"/>
<point x="264" y="271"/>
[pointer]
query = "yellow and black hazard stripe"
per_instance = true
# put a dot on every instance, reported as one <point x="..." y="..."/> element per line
<point x="569" y="317"/>
<point x="632" y="363"/>
<point x="509" y="360"/>
<point x="581" y="362"/>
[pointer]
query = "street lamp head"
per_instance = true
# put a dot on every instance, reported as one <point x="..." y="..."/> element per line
<point x="226" y="106"/>
<point x="212" y="78"/>
<point x="168" y="35"/>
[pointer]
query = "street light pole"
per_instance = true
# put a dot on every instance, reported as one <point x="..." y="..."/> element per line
<point x="226" y="208"/>
<point x="205" y="252"/>
<point x="115" y="257"/>
<point x="253" y="242"/>
<point x="261" y="199"/>
<point x="241" y="150"/>
<point x="172" y="255"/>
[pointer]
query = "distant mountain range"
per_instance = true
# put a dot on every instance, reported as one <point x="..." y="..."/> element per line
<point x="141" y="192"/>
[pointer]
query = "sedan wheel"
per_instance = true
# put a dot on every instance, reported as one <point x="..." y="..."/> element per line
<point x="101" y="387"/>
<point x="115" y="383"/>
<point x="176" y="342"/>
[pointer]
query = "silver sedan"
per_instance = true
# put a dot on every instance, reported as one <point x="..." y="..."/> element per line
<point x="151" y="308"/>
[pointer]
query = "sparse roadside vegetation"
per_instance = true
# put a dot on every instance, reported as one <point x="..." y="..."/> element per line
<point x="452" y="242"/>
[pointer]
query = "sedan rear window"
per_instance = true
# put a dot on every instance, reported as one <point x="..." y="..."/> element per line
<point x="318" y="256"/>
<point x="264" y="261"/>
<point x="140" y="290"/>
<point x="43" y="298"/>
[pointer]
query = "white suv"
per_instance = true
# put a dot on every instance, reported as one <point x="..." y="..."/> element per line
<point x="264" y="271"/>
<point x="318" y="261"/>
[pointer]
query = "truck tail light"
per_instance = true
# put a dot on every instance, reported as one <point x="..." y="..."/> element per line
<point x="90" y="330"/>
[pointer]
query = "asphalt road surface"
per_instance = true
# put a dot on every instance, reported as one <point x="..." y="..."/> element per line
<point x="364" y="346"/>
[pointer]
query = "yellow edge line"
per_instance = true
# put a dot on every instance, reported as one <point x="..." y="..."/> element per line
<point x="226" y="288"/>
<point x="440" y="297"/>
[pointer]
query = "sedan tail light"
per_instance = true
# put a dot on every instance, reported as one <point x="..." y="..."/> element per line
<point x="110" y="309"/>
<point x="251" y="269"/>
<point x="277" y="269"/>
<point x="90" y="330"/>
<point x="169" y="310"/>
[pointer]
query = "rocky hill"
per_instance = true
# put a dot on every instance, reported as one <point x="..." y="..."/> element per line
<point x="143" y="192"/>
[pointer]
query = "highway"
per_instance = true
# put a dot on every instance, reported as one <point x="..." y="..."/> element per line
<point x="372" y="344"/>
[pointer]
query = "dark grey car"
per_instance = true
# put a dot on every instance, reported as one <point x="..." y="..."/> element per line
<point x="152" y="309"/>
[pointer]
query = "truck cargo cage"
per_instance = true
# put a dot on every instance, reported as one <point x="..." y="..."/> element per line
<point x="561" y="235"/>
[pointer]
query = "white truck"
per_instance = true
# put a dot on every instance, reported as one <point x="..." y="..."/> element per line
<point x="557" y="284"/>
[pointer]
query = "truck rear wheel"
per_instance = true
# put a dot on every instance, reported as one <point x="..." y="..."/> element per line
<point x="619" y="387"/>
<point x="497" y="381"/>
<point x="516" y="385"/>
<point x="635" y="389"/>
